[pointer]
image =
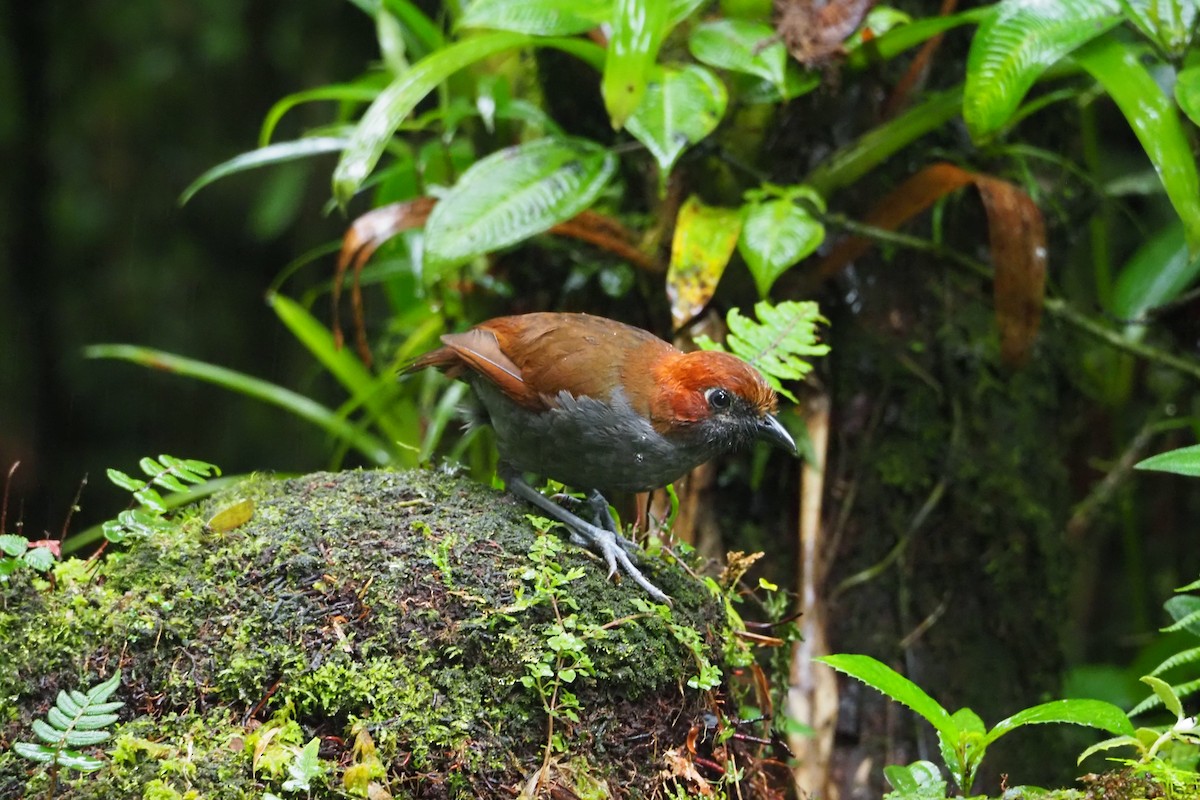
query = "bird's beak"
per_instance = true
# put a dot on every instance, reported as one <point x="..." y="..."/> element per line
<point x="770" y="430"/>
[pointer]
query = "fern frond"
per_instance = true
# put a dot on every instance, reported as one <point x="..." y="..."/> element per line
<point x="75" y="720"/>
<point x="1182" y="657"/>
<point x="779" y="343"/>
<point x="167" y="472"/>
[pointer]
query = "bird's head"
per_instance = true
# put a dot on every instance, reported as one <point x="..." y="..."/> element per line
<point x="716" y="399"/>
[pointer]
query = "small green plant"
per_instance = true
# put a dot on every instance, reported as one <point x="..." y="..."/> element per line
<point x="1149" y="742"/>
<point x="167" y="472"/>
<point x="75" y="720"/>
<point x="963" y="738"/>
<point x="920" y="780"/>
<point x="16" y="553"/>
<point x="708" y="674"/>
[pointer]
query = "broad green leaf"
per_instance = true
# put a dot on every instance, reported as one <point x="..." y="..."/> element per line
<point x="1016" y="44"/>
<point x="1156" y="274"/>
<point x="776" y="235"/>
<point x="1091" y="713"/>
<point x="679" y="10"/>
<point x="1184" y="461"/>
<point x="265" y="156"/>
<point x="921" y="780"/>
<point x="296" y="403"/>
<point x="1187" y="93"/>
<point x="514" y="194"/>
<point x="393" y="105"/>
<point x="1165" y="694"/>
<point x="13" y="545"/>
<point x="681" y="107"/>
<point x="1117" y="67"/>
<point x="896" y="687"/>
<point x="740" y="45"/>
<point x="1110" y="744"/>
<point x="537" y="17"/>
<point x="904" y="37"/>
<point x="638" y="28"/>
<point x="705" y="237"/>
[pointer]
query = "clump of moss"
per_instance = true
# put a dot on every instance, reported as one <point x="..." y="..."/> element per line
<point x="372" y="601"/>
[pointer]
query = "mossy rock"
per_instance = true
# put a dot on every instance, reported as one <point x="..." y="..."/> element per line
<point x="375" y="606"/>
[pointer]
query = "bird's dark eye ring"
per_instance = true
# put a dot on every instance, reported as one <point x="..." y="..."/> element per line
<point x="718" y="398"/>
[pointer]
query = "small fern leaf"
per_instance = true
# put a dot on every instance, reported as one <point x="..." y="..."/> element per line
<point x="75" y="720"/>
<point x="34" y="752"/>
<point x="780" y="343"/>
<point x="1183" y="657"/>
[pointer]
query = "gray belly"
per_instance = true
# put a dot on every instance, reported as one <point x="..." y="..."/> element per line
<point x="587" y="444"/>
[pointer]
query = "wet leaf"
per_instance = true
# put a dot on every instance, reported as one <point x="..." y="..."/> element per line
<point x="537" y="17"/>
<point x="231" y="517"/>
<point x="740" y="45"/>
<point x="705" y="237"/>
<point x="777" y="234"/>
<point x="1017" y="237"/>
<point x="1016" y="44"/>
<point x="638" y="27"/>
<point x="680" y="107"/>
<point x="1117" y="66"/>
<point x="513" y="194"/>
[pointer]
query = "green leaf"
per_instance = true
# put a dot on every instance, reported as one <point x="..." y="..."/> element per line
<point x="126" y="482"/>
<point x="638" y="28"/>
<point x="777" y="234"/>
<point x="34" y="752"/>
<point x="1165" y="693"/>
<point x="364" y="90"/>
<point x="537" y="17"/>
<point x="13" y="545"/>
<point x="1016" y="44"/>
<point x="921" y="780"/>
<point x="77" y="761"/>
<point x="1187" y="93"/>
<point x="1184" y="461"/>
<point x="1109" y="744"/>
<point x="895" y="686"/>
<point x="681" y="107"/>
<point x="305" y="768"/>
<point x="1090" y="713"/>
<point x="1157" y="273"/>
<point x="514" y="194"/>
<point x="1117" y="67"/>
<point x="278" y="153"/>
<point x="295" y="403"/>
<point x="394" y="104"/>
<point x="40" y="559"/>
<point x="741" y="45"/>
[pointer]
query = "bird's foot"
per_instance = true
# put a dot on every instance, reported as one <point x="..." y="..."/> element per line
<point x="603" y="538"/>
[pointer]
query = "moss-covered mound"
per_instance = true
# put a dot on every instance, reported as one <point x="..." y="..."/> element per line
<point x="397" y="617"/>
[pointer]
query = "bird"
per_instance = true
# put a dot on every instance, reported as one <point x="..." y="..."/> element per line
<point x="603" y="407"/>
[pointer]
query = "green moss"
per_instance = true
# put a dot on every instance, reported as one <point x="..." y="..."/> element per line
<point x="359" y="598"/>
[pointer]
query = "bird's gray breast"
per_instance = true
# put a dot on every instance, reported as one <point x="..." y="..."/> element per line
<point x="587" y="443"/>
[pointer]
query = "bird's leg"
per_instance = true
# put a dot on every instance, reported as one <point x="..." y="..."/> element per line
<point x="608" y="543"/>
<point x="604" y="519"/>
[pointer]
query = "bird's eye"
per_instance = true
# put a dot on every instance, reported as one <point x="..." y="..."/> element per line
<point x="718" y="398"/>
